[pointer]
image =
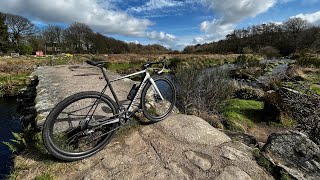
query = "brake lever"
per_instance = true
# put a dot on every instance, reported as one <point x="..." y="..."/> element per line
<point x="164" y="66"/>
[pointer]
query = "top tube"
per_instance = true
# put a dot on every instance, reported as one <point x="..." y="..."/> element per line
<point x="133" y="74"/>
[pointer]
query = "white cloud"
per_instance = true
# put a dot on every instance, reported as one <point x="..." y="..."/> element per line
<point x="230" y="12"/>
<point x="162" y="36"/>
<point x="198" y="40"/>
<point x="313" y="18"/>
<point x="97" y="14"/>
<point x="216" y="27"/>
<point x="236" y="11"/>
<point x="134" y="42"/>
<point x="302" y="2"/>
<point x="156" y="4"/>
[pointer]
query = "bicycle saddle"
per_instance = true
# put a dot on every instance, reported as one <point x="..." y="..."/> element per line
<point x="96" y="63"/>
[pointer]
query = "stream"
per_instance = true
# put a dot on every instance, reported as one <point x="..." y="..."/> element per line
<point x="9" y="122"/>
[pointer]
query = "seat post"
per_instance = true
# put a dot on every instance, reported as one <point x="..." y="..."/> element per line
<point x="105" y="75"/>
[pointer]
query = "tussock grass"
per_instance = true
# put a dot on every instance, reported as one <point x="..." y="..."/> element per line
<point x="309" y="60"/>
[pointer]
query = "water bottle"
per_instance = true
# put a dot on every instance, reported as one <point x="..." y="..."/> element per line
<point x="132" y="92"/>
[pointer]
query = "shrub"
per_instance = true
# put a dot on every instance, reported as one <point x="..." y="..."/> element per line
<point x="274" y="82"/>
<point x="25" y="49"/>
<point x="247" y="50"/>
<point x="248" y="61"/>
<point x="270" y="52"/>
<point x="203" y="91"/>
<point x="308" y="60"/>
<point x="174" y="62"/>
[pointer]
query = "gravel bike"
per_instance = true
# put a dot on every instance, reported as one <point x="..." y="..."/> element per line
<point x="84" y="123"/>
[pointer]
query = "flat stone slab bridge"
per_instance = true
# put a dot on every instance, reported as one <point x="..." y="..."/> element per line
<point x="180" y="147"/>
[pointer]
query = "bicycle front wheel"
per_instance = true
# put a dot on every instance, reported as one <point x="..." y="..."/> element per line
<point x="72" y="130"/>
<point x="154" y="108"/>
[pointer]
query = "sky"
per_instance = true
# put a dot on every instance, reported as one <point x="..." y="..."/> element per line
<point x="171" y="23"/>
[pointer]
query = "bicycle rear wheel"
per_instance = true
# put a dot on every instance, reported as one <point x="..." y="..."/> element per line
<point x="153" y="107"/>
<point x="67" y="133"/>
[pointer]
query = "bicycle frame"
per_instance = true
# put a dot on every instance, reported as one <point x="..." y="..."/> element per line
<point x="147" y="78"/>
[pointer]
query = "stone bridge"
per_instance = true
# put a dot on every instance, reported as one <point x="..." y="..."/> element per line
<point x="180" y="147"/>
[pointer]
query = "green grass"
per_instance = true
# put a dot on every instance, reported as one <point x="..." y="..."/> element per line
<point x="45" y="176"/>
<point x="11" y="84"/>
<point x="119" y="66"/>
<point x="244" y="112"/>
<point x="16" y="79"/>
<point x="124" y="68"/>
<point x="313" y="77"/>
<point x="316" y="88"/>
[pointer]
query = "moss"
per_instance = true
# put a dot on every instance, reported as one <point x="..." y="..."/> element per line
<point x="276" y="171"/>
<point x="244" y="112"/>
<point x="284" y="175"/>
<point x="45" y="176"/>
<point x="261" y="160"/>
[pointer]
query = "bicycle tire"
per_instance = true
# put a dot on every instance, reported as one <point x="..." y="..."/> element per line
<point x="169" y="97"/>
<point x="48" y="128"/>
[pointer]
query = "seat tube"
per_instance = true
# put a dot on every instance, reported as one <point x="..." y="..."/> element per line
<point x="110" y="86"/>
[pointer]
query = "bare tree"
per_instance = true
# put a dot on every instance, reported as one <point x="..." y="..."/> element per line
<point x="53" y="35"/>
<point x="4" y="36"/>
<point x="296" y="25"/>
<point x="19" y="27"/>
<point x="36" y="42"/>
<point x="78" y="35"/>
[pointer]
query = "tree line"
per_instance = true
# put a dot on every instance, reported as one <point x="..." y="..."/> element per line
<point x="19" y="34"/>
<point x="294" y="35"/>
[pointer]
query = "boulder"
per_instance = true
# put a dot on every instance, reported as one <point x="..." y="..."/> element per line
<point x="180" y="147"/>
<point x="244" y="138"/>
<point x="294" y="152"/>
<point x="249" y="93"/>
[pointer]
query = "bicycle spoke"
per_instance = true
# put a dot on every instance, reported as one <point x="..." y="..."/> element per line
<point x="67" y="133"/>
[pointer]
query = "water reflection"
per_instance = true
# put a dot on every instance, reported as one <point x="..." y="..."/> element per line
<point x="9" y="122"/>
